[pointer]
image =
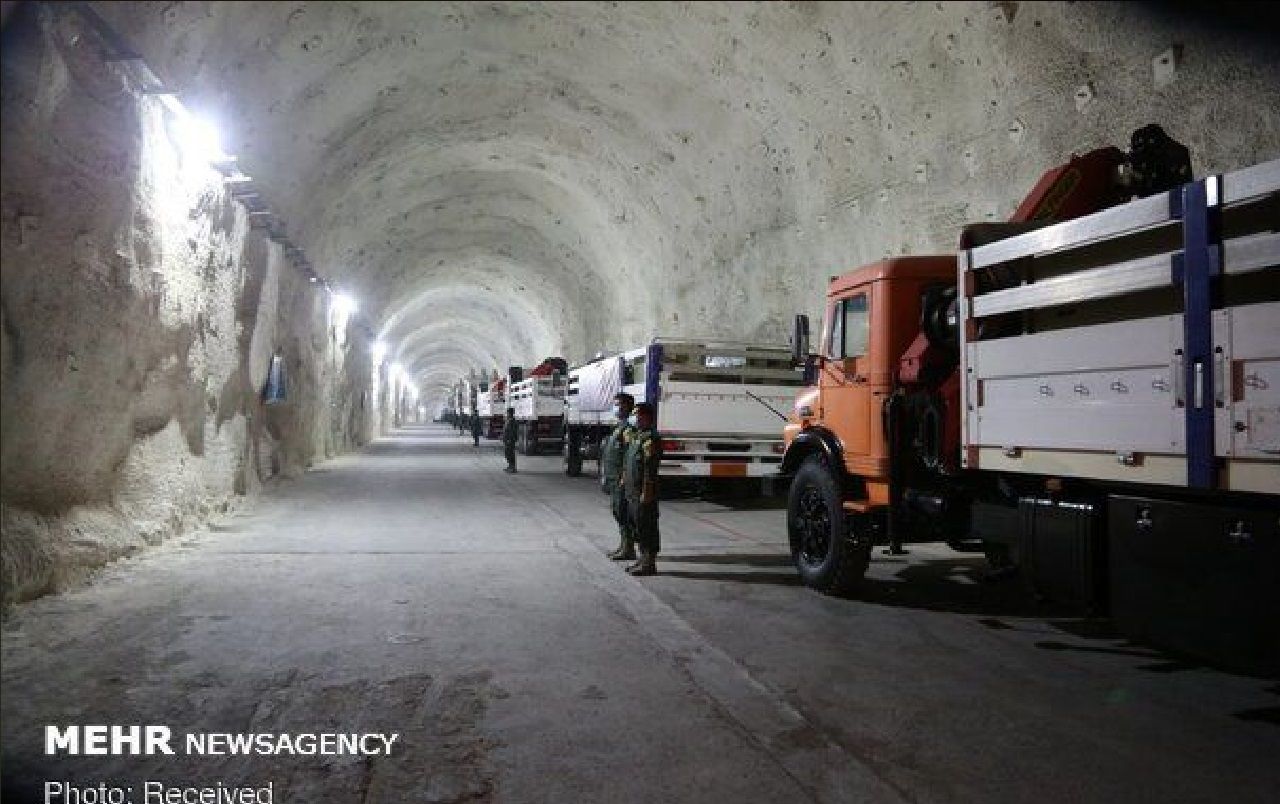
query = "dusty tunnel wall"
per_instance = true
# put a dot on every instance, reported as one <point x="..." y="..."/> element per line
<point x="140" y="315"/>
<point x="500" y="180"/>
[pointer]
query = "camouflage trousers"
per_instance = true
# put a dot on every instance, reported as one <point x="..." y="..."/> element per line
<point x="644" y="525"/>
<point x="622" y="512"/>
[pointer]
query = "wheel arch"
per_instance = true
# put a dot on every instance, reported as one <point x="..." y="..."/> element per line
<point x="812" y="441"/>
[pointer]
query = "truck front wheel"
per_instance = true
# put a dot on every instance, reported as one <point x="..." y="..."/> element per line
<point x="831" y="548"/>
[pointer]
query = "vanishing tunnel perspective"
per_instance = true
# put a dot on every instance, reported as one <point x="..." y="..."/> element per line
<point x="639" y="401"/>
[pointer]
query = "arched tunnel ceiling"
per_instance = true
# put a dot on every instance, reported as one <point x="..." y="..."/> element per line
<point x="497" y="182"/>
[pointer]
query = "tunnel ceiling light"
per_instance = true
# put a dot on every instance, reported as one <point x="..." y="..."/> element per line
<point x="379" y="351"/>
<point x="197" y="137"/>
<point x="343" y="304"/>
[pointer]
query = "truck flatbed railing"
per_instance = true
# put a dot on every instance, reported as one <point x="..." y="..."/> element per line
<point x="739" y="363"/>
<point x="721" y="343"/>
<point x="1249" y="252"/>
<point x="1146" y="335"/>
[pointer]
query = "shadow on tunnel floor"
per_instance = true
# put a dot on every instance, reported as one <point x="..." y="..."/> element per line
<point x="770" y="578"/>
<point x="748" y="495"/>
<point x="736" y="559"/>
<point x="959" y="586"/>
<point x="1002" y="605"/>
<point x="758" y="503"/>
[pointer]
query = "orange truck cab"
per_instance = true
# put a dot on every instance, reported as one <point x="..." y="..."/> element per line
<point x="837" y="446"/>
<point x="872" y="317"/>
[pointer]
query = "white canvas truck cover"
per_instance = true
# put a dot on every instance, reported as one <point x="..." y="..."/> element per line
<point x="598" y="383"/>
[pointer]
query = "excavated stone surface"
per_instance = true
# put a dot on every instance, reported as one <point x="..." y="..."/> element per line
<point x="140" y="315"/>
<point x="501" y="181"/>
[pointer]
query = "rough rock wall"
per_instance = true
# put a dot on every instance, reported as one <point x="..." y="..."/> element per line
<point x="140" y="314"/>
<point x="496" y="180"/>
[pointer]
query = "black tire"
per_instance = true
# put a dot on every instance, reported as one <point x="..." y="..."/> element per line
<point x="831" y="549"/>
<point x="572" y="453"/>
<point x="531" y="438"/>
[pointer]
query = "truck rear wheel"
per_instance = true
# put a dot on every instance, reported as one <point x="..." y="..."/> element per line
<point x="831" y="548"/>
<point x="573" y="453"/>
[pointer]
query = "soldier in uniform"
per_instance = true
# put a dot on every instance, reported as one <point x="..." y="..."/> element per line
<point x="509" y="439"/>
<point x="640" y="482"/>
<point x="475" y="428"/>
<point x="611" y="465"/>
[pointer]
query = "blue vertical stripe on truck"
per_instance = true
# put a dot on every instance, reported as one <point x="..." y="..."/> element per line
<point x="652" y="375"/>
<point x="1197" y="269"/>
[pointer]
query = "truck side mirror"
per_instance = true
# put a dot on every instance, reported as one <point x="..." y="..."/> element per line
<point x="800" y="341"/>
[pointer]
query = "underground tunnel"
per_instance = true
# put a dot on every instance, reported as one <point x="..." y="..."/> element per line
<point x="953" y="329"/>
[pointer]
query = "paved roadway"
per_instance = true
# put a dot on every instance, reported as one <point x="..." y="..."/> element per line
<point x="415" y="588"/>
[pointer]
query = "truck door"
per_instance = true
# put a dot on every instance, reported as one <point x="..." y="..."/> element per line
<point x="846" y="391"/>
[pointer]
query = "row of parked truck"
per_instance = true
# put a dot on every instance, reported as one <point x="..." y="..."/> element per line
<point x="1088" y="394"/>
<point x="722" y="405"/>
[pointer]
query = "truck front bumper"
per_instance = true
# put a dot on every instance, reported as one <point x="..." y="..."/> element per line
<point x="719" y="468"/>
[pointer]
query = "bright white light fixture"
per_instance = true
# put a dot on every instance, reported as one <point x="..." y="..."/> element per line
<point x="198" y="138"/>
<point x="342" y="304"/>
<point x="379" y="352"/>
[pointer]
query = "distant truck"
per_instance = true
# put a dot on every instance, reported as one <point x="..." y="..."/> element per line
<point x="491" y="404"/>
<point x="719" y="404"/>
<point x="1092" y="403"/>
<point x="538" y="400"/>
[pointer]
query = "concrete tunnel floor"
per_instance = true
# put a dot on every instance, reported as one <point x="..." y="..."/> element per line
<point x="414" y="588"/>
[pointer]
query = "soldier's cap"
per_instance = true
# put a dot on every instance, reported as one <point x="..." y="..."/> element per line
<point x="512" y="411"/>
<point x="623" y="396"/>
<point x="644" y="409"/>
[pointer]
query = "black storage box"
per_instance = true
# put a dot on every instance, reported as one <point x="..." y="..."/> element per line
<point x="1198" y="579"/>
<point x="1060" y="552"/>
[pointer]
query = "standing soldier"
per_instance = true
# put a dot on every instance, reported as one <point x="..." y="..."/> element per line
<point x="509" y="439"/>
<point x="475" y="428"/>
<point x="611" y="464"/>
<point x="640" y="481"/>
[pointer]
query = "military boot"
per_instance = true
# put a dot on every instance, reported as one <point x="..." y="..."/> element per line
<point x="645" y="566"/>
<point x="625" y="551"/>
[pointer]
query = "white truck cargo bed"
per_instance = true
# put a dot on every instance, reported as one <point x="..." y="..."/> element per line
<point x="1102" y="378"/>
<point x="538" y="397"/>
<point x="714" y="401"/>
